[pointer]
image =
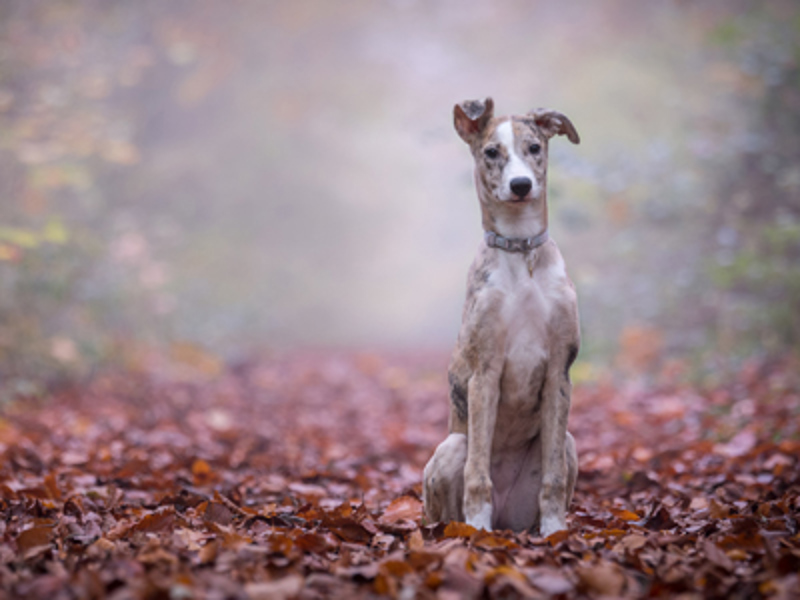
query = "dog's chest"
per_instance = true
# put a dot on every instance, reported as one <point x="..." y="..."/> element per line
<point x="530" y="303"/>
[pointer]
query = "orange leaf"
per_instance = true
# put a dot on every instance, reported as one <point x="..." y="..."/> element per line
<point x="506" y="570"/>
<point x="434" y="580"/>
<point x="415" y="541"/>
<point x="458" y="529"/>
<point x="556" y="538"/>
<point x="200" y="467"/>
<point x="381" y="585"/>
<point x="604" y="578"/>
<point x="488" y="541"/>
<point x="208" y="553"/>
<point x="397" y="568"/>
<point x="625" y="515"/>
<point x="51" y="485"/>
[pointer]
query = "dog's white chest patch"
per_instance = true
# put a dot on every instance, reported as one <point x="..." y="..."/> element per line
<point x="529" y="306"/>
<point x="530" y="292"/>
<point x="526" y="313"/>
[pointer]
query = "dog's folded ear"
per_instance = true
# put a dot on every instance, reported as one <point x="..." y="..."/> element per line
<point x="471" y="116"/>
<point x="552" y="123"/>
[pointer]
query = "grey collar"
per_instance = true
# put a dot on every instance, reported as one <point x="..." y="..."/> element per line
<point x="495" y="240"/>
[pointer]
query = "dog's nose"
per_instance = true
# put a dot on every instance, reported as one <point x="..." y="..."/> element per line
<point x="521" y="186"/>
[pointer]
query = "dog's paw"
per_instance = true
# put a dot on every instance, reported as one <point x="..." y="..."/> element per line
<point x="550" y="525"/>
<point x="482" y="519"/>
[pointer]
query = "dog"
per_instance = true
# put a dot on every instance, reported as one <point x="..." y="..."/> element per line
<point x="508" y="461"/>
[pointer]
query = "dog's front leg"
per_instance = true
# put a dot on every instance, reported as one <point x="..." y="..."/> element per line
<point x="484" y="394"/>
<point x="555" y="412"/>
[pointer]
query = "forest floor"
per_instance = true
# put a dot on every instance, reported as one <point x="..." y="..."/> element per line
<point x="299" y="476"/>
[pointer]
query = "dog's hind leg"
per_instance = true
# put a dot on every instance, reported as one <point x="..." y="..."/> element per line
<point x="443" y="480"/>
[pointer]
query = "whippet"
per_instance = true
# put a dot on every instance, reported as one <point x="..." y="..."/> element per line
<point x="509" y="461"/>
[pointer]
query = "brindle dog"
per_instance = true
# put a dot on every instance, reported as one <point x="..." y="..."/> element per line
<point x="509" y="461"/>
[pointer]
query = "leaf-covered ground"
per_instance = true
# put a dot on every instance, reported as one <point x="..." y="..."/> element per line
<point x="300" y="477"/>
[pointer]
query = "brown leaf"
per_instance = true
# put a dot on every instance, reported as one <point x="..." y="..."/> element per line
<point x="422" y="560"/>
<point x="488" y="541"/>
<point x="30" y="540"/>
<point x="507" y="581"/>
<point x="604" y="578"/>
<point x="157" y="556"/>
<point x="631" y="543"/>
<point x="51" y="484"/>
<point x="350" y="530"/>
<point x="717" y="510"/>
<point x="397" y="568"/>
<point x="402" y="508"/>
<point x="311" y="542"/>
<point x="715" y="555"/>
<point x="157" y="521"/>
<point x="659" y="519"/>
<point x="415" y="541"/>
<point x="218" y="513"/>
<point x="208" y="553"/>
<point x="101" y="548"/>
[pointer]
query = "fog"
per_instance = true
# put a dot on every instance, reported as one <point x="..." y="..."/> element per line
<point x="268" y="175"/>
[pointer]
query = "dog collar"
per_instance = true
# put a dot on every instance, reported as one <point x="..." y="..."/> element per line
<point x="495" y="240"/>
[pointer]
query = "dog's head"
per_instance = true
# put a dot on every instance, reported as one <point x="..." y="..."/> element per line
<point x="510" y="152"/>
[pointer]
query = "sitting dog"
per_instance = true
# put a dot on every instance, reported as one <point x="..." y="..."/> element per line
<point x="509" y="461"/>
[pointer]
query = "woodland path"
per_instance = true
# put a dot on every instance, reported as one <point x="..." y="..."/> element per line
<point x="299" y="476"/>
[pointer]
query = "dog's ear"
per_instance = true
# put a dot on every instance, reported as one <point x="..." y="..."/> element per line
<point x="471" y="116"/>
<point x="553" y="123"/>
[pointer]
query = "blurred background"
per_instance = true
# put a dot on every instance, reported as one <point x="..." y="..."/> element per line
<point x="213" y="179"/>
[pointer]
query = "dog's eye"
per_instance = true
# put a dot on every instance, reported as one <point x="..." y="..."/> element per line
<point x="491" y="152"/>
<point x="534" y="148"/>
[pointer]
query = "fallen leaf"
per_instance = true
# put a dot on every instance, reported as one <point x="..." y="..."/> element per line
<point x="625" y="515"/>
<point x="558" y="537"/>
<point x="602" y="578"/>
<point x="218" y="513"/>
<point x="458" y="529"/>
<point x="154" y="522"/>
<point x="404" y="507"/>
<point x="31" y="539"/>
<point x="415" y="541"/>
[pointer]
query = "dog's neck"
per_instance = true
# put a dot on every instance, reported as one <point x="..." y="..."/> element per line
<point x="516" y="220"/>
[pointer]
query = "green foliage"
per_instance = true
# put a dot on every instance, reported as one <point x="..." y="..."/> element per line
<point x="767" y="279"/>
<point x="756" y="214"/>
<point x="69" y="289"/>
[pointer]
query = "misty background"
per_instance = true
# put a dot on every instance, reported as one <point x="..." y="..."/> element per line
<point x="222" y="178"/>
